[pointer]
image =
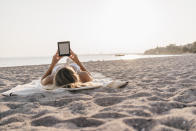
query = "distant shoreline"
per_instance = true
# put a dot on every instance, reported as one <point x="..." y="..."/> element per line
<point x="172" y="49"/>
<point x="11" y="62"/>
<point x="78" y="55"/>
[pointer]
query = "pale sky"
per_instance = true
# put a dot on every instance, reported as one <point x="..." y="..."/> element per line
<point x="33" y="27"/>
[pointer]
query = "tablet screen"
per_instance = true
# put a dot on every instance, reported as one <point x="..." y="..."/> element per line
<point x="64" y="48"/>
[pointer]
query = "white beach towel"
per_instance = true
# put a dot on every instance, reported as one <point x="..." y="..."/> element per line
<point x="36" y="87"/>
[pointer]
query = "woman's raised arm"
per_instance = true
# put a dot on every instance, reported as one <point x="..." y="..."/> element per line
<point x="85" y="76"/>
<point x="46" y="78"/>
<point x="74" y="57"/>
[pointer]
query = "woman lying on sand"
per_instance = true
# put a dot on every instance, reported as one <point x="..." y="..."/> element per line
<point x="73" y="76"/>
<point x="66" y="75"/>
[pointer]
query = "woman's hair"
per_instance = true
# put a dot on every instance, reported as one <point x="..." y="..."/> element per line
<point x="66" y="77"/>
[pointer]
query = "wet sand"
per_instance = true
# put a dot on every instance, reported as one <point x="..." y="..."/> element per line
<point x="160" y="96"/>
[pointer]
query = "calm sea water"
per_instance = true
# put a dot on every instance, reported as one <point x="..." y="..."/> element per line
<point x="7" y="62"/>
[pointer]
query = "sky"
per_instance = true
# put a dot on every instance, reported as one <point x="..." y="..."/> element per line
<point x="33" y="27"/>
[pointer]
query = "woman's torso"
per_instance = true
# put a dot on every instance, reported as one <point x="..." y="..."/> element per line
<point x="73" y="65"/>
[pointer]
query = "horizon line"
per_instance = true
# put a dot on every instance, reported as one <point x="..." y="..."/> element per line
<point x="78" y="55"/>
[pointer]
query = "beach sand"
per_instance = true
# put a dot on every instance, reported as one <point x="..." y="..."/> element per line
<point x="160" y="96"/>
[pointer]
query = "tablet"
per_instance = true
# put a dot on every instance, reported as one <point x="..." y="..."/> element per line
<point x="64" y="48"/>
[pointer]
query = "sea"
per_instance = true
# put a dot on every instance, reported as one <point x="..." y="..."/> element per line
<point x="23" y="61"/>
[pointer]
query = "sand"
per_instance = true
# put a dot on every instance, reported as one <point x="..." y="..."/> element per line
<point x="160" y="96"/>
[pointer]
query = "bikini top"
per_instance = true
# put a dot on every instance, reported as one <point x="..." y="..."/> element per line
<point x="73" y="65"/>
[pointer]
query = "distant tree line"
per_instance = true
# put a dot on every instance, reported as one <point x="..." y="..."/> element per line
<point x="173" y="49"/>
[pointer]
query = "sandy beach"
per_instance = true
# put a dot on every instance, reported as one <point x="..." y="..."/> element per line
<point x="160" y="96"/>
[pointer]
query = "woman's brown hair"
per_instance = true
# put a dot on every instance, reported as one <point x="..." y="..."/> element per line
<point x="66" y="77"/>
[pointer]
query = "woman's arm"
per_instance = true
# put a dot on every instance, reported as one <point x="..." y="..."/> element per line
<point x="49" y="71"/>
<point x="74" y="57"/>
<point x="47" y="78"/>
